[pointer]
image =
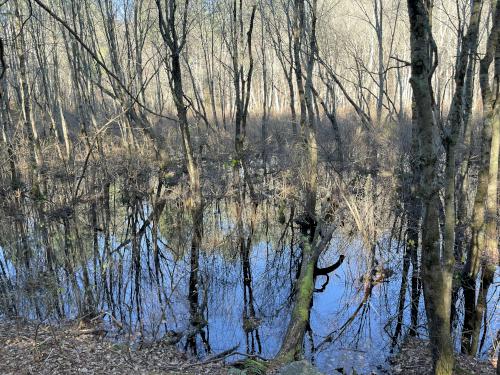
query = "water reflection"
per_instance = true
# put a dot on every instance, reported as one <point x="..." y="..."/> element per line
<point x="131" y="257"/>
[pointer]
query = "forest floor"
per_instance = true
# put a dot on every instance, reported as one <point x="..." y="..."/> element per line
<point x="28" y="348"/>
<point x="415" y="359"/>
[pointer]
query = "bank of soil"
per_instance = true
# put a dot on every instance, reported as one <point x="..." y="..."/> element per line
<point x="29" y="348"/>
<point x="415" y="359"/>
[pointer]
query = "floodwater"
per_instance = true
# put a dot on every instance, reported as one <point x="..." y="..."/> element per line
<point x="138" y="272"/>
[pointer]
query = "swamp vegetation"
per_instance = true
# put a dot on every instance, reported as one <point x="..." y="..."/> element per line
<point x="254" y="182"/>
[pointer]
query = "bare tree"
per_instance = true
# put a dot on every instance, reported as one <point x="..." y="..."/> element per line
<point x="175" y="40"/>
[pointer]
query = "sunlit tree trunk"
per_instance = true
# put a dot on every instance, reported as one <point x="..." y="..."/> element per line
<point x="35" y="152"/>
<point x="483" y="249"/>
<point x="462" y="235"/>
<point x="378" y="11"/>
<point x="453" y="129"/>
<point x="7" y="131"/>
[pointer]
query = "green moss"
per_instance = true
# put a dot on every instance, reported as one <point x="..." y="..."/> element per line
<point x="255" y="367"/>
<point x="119" y="347"/>
<point x="305" y="290"/>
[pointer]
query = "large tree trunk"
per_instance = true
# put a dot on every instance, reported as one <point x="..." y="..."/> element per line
<point x="436" y="271"/>
<point x="292" y="345"/>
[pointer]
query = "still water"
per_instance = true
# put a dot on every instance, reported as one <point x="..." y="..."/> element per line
<point x="138" y="272"/>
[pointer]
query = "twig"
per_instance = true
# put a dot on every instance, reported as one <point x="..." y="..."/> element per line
<point x="404" y="62"/>
<point x="91" y="147"/>
<point x="249" y="356"/>
<point x="51" y="351"/>
<point x="219" y="357"/>
<point x="99" y="61"/>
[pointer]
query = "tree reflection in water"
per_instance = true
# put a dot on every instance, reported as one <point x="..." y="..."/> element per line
<point x="126" y="257"/>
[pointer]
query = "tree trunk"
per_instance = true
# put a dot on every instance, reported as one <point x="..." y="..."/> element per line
<point x="292" y="346"/>
<point x="455" y="119"/>
<point x="171" y="39"/>
<point x="484" y="234"/>
<point x="436" y="272"/>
